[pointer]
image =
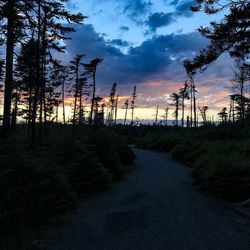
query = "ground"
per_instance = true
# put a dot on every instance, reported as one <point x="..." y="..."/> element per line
<point x="156" y="207"/>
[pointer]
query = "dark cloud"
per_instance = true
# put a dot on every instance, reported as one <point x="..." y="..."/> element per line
<point x="175" y="2"/>
<point x="136" y="9"/>
<point x="142" y="63"/>
<point x="119" y="43"/>
<point x="159" y="19"/>
<point x="183" y="9"/>
<point x="124" y="28"/>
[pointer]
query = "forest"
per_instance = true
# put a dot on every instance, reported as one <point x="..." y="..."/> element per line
<point x="52" y="158"/>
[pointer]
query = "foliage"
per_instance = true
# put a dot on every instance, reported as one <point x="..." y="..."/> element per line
<point x="230" y="35"/>
<point x="218" y="156"/>
<point x="40" y="183"/>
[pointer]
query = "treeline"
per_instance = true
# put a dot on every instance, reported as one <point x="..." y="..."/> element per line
<point x="37" y="27"/>
<point x="39" y="185"/>
<point x="36" y="84"/>
<point x="231" y="36"/>
<point x="238" y="108"/>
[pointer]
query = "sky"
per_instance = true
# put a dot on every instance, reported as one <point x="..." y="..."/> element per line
<point x="144" y="43"/>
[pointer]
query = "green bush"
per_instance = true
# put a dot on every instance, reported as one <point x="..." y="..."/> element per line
<point x="219" y="156"/>
<point x="41" y="181"/>
<point x="227" y="175"/>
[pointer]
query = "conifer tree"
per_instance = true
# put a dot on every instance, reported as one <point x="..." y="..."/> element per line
<point x="176" y="103"/>
<point x="133" y="105"/>
<point x="184" y="95"/>
<point x="76" y="77"/>
<point x="126" y="104"/>
<point x="229" y="35"/>
<point x="91" y="72"/>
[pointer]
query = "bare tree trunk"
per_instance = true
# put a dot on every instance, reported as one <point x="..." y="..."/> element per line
<point x="93" y="97"/>
<point x="80" y="105"/>
<point x="177" y="114"/>
<point x="76" y="95"/>
<point x="195" y="114"/>
<point x="126" y="114"/>
<point x="191" y="106"/>
<point x="30" y="110"/>
<point x="43" y="111"/>
<point x="156" y="115"/>
<point x="63" y="101"/>
<point x="116" y="108"/>
<point x="183" y="107"/>
<point x="14" y="114"/>
<point x="9" y="69"/>
<point x="37" y="84"/>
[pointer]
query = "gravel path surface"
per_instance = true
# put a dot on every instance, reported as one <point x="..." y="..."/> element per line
<point x="155" y="208"/>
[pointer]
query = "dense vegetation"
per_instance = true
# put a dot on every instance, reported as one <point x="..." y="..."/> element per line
<point x="218" y="156"/>
<point x="38" y="183"/>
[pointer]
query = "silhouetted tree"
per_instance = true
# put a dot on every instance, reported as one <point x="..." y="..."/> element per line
<point x="191" y="72"/>
<point x="240" y="80"/>
<point x="223" y="115"/>
<point x="230" y="34"/>
<point x="165" y="116"/>
<point x="112" y="105"/>
<point x="116" y="108"/>
<point x="133" y="105"/>
<point x="76" y="77"/>
<point x="184" y="95"/>
<point x="156" y="115"/>
<point x="176" y="98"/>
<point x="126" y="104"/>
<point x="203" y="111"/>
<point x="26" y="75"/>
<point x="99" y="110"/>
<point x="91" y="71"/>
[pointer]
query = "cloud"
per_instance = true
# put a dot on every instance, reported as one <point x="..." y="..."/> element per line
<point x="183" y="9"/>
<point x="119" y="43"/>
<point x="155" y="66"/>
<point x="124" y="28"/>
<point x="139" y="64"/>
<point x="135" y="9"/>
<point x="160" y="19"/>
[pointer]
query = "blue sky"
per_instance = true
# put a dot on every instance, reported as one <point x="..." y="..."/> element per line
<point x="144" y="42"/>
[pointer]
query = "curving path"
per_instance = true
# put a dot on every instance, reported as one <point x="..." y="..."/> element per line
<point x="155" y="208"/>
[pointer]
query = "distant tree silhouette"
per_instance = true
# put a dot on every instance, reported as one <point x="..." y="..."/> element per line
<point x="191" y="72"/>
<point x="156" y="115"/>
<point x="242" y="76"/>
<point x="223" y="115"/>
<point x="203" y="112"/>
<point x="126" y="104"/>
<point x="116" y="107"/>
<point x="165" y="116"/>
<point x="26" y="75"/>
<point x="176" y="98"/>
<point x="91" y="71"/>
<point x="184" y="95"/>
<point x="112" y="105"/>
<point x="75" y="66"/>
<point x="99" y="110"/>
<point x="133" y="105"/>
<point x="61" y="74"/>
